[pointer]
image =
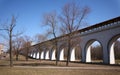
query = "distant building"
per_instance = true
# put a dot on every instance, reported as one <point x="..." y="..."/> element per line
<point x="1" y="48"/>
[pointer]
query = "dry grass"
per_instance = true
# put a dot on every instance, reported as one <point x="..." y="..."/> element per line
<point x="39" y="71"/>
<point x="117" y="61"/>
<point x="34" y="68"/>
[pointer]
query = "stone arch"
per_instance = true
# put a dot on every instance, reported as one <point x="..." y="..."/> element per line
<point x="34" y="55"/>
<point x="37" y="56"/>
<point x="38" y="52"/>
<point x="47" y="54"/>
<point x="72" y="54"/>
<point x="31" y="55"/>
<point x="75" y="53"/>
<point x="88" y="48"/>
<point x="42" y="54"/>
<point x="111" y="45"/>
<point x="53" y="53"/>
<point x="61" y="55"/>
<point x="62" y="51"/>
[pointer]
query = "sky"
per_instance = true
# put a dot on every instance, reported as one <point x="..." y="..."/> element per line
<point x="30" y="12"/>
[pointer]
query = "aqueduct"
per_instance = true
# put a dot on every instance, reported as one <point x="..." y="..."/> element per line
<point x="106" y="33"/>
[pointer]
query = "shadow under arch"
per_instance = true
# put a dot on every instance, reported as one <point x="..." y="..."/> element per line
<point x="111" y="50"/>
<point x="88" y="53"/>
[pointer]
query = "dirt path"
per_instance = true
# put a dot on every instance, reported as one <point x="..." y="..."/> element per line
<point x="56" y="67"/>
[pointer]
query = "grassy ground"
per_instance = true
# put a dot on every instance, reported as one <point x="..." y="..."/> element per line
<point x="37" y="71"/>
<point x="117" y="61"/>
<point x="33" y="67"/>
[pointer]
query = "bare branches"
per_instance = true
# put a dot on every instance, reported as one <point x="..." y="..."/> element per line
<point x="72" y="16"/>
<point x="27" y="41"/>
<point x="17" y="45"/>
<point x="50" y="19"/>
<point x="9" y="29"/>
<point x="40" y="38"/>
<point x="26" y="45"/>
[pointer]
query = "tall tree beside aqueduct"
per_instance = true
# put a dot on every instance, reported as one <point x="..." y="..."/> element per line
<point x="50" y="19"/>
<point x="71" y="19"/>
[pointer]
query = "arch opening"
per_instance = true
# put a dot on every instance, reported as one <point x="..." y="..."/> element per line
<point x="37" y="57"/>
<point x="42" y="55"/>
<point x="34" y="55"/>
<point x="47" y="55"/>
<point x="72" y="57"/>
<point x="61" y="57"/>
<point x="114" y="53"/>
<point x="53" y="57"/>
<point x="75" y="54"/>
<point x="31" y="55"/>
<point x="94" y="52"/>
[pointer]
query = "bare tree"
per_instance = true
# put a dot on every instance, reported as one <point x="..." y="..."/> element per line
<point x="26" y="45"/>
<point x="50" y="19"/>
<point x="39" y="38"/>
<point x="17" y="45"/>
<point x="9" y="28"/>
<point x="71" y="18"/>
<point x="96" y="52"/>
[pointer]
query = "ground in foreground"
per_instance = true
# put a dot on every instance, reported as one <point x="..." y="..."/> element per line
<point x="37" y="67"/>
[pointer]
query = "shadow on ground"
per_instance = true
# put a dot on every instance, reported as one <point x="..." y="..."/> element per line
<point x="34" y="64"/>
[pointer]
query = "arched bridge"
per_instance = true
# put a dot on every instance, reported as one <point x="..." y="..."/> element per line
<point x="106" y="33"/>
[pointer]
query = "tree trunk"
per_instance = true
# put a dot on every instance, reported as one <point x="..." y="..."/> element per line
<point x="39" y="55"/>
<point x="27" y="55"/>
<point x="56" y="51"/>
<point x="68" y="55"/>
<point x="56" y="46"/>
<point x="26" y="58"/>
<point x="10" y="44"/>
<point x="16" y="57"/>
<point x="17" y="54"/>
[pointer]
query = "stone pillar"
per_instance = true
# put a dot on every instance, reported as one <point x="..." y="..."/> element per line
<point x="105" y="53"/>
<point x="83" y="58"/>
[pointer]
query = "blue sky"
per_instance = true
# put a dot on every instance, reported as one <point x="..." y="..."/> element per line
<point x="29" y="12"/>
